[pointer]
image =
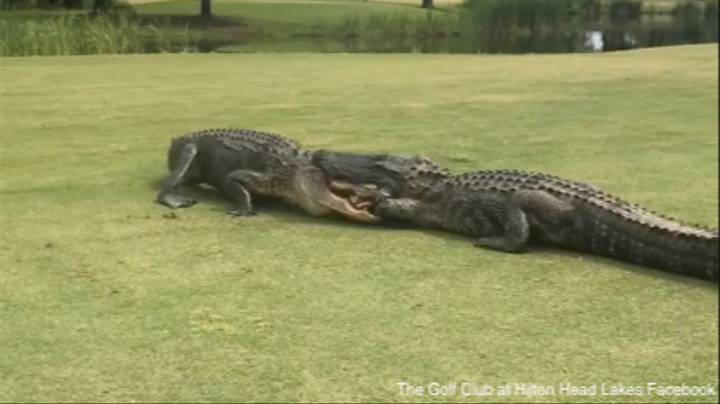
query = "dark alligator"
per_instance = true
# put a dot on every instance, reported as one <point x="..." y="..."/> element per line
<point x="505" y="210"/>
<point x="242" y="163"/>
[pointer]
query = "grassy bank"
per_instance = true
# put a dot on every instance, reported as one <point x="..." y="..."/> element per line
<point x="172" y="26"/>
<point x="104" y="297"/>
<point x="281" y="19"/>
<point x="490" y="26"/>
<point x="283" y="13"/>
<point x="77" y="34"/>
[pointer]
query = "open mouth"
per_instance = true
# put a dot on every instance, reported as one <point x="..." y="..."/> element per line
<point x="359" y="202"/>
<point x="352" y="201"/>
<point x="361" y="198"/>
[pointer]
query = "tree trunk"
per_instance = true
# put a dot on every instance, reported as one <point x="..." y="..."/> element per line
<point x="427" y="3"/>
<point x="101" y="6"/>
<point x="72" y="3"/>
<point x="205" y="10"/>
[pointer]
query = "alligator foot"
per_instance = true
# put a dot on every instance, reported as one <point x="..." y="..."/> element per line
<point x="175" y="201"/>
<point x="234" y="187"/>
<point x="498" y="244"/>
<point x="241" y="212"/>
<point x="177" y="177"/>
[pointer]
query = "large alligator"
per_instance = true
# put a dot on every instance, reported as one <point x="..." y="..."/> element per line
<point x="242" y="163"/>
<point x="505" y="210"/>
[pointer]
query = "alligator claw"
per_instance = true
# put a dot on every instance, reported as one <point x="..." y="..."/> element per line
<point x="175" y="201"/>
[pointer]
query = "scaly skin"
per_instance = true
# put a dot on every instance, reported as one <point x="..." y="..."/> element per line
<point x="395" y="177"/>
<point x="505" y="210"/>
<point x="242" y="163"/>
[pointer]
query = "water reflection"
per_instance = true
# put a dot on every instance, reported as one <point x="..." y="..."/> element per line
<point x="594" y="40"/>
<point x="513" y="26"/>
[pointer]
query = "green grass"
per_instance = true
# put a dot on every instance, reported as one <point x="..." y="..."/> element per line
<point x="173" y="25"/>
<point x="104" y="298"/>
<point x="77" y="34"/>
<point x="284" y="11"/>
<point x="285" y="17"/>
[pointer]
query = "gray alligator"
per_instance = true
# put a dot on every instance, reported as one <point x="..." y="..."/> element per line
<point x="505" y="210"/>
<point x="242" y="163"/>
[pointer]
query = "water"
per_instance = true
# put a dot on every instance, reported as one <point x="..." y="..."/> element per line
<point x="507" y="26"/>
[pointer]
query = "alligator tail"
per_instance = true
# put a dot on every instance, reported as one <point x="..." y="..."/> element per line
<point x="649" y="240"/>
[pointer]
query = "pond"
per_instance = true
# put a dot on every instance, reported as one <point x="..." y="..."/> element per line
<point x="503" y="26"/>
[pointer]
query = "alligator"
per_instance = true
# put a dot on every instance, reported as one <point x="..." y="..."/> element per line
<point x="242" y="163"/>
<point x="506" y="210"/>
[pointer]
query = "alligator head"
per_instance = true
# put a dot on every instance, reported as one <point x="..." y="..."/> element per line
<point x="390" y="176"/>
<point x="315" y="196"/>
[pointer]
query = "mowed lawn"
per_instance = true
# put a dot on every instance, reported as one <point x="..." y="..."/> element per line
<point x="104" y="296"/>
<point x="293" y="22"/>
<point x="285" y="11"/>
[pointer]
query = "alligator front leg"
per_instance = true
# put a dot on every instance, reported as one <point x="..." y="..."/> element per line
<point x="168" y="195"/>
<point x="235" y="186"/>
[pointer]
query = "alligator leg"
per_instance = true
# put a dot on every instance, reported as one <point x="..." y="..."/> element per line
<point x="168" y="195"/>
<point x="545" y="212"/>
<point x="236" y="184"/>
<point x="548" y="216"/>
<point x="517" y="231"/>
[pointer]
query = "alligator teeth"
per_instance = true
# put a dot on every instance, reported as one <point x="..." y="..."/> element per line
<point x="362" y="205"/>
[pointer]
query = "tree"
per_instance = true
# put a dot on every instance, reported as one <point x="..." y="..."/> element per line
<point x="205" y="10"/>
<point x="427" y="3"/>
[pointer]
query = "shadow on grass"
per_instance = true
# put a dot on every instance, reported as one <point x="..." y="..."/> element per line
<point x="293" y="214"/>
<point x="624" y="266"/>
<point x="208" y="195"/>
<point x="193" y="21"/>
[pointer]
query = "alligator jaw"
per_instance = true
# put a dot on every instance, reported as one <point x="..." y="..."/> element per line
<point x="318" y="198"/>
<point x="345" y="208"/>
<point x="364" y="196"/>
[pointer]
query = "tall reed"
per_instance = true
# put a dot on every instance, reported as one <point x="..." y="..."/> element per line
<point x="396" y="25"/>
<point x="82" y="35"/>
